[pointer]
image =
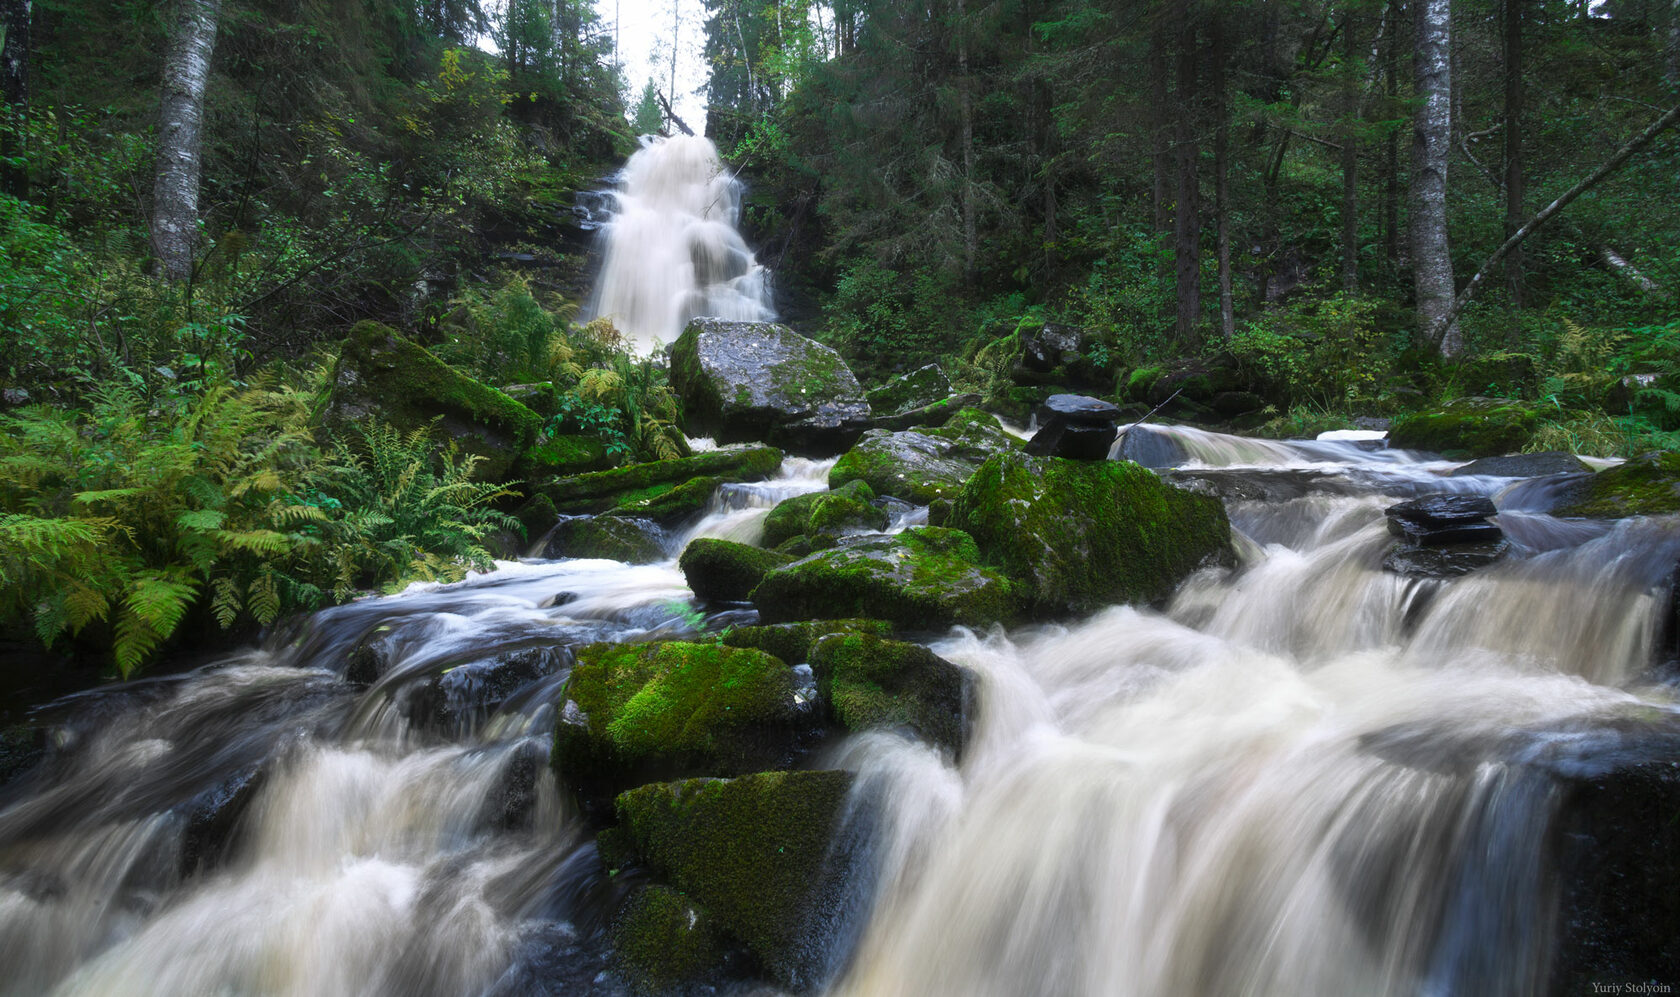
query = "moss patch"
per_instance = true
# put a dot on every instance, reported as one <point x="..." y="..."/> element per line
<point x="915" y="389"/>
<point x="923" y="465"/>
<point x="1081" y="535"/>
<point x="1647" y="485"/>
<point x="662" y="940"/>
<point x="568" y="453"/>
<point x="870" y="682"/>
<point x="755" y="853"/>
<point x="922" y="579"/>
<point x="791" y="642"/>
<point x="1467" y="427"/>
<point x="723" y="569"/>
<point x="832" y="513"/>
<point x="633" y="712"/>
<point x="600" y="491"/>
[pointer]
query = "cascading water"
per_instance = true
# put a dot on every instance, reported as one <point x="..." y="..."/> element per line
<point x="671" y="249"/>
<point x="1304" y="776"/>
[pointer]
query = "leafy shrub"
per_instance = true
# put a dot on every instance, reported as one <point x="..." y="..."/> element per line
<point x="1329" y="353"/>
<point x="883" y="320"/>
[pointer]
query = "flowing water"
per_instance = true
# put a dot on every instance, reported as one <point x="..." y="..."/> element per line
<point x="671" y="250"/>
<point x="1303" y="776"/>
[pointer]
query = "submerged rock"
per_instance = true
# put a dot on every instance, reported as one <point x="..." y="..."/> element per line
<point x="1647" y="485"/>
<point x="1077" y="427"/>
<point x="724" y="569"/>
<point x="463" y="695"/>
<point x="923" y="465"/>
<point x="758" y="381"/>
<point x="758" y="855"/>
<point x="647" y="489"/>
<point x="1081" y="535"/>
<point x="869" y="682"/>
<point x="635" y="712"/>
<point x="616" y="538"/>
<point x="846" y="509"/>
<point x="1524" y="465"/>
<point x="1415" y="561"/>
<point x="382" y="375"/>
<point x="925" y="578"/>
<point x="1467" y="427"/>
<point x="1440" y="520"/>
<point x="1150" y="447"/>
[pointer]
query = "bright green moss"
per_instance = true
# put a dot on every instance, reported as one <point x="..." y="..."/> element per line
<point x="568" y="453"/>
<point x="1081" y="535"/>
<point x="791" y="642"/>
<point x="754" y="852"/>
<point x="925" y="464"/>
<point x="839" y="511"/>
<point x="1647" y="485"/>
<point x="723" y="569"/>
<point x="870" y="682"/>
<point x="668" y="503"/>
<point x="1468" y="427"/>
<point x="915" y="389"/>
<point x="599" y="491"/>
<point x="661" y="940"/>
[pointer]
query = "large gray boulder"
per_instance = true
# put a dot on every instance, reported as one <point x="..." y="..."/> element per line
<point x="743" y="381"/>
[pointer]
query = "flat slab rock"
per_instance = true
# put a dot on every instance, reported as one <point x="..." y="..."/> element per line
<point x="1442" y="520"/>
<point x="1077" y="427"/>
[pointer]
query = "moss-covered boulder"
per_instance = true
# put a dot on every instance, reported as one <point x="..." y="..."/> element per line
<point x="724" y="569"/>
<point x="926" y="464"/>
<point x="380" y="374"/>
<point x="760" y="381"/>
<point x="634" y="487"/>
<point x="1467" y="427"/>
<point x="632" y="713"/>
<point x="615" y="538"/>
<point x="926" y="578"/>
<point x="661" y="940"/>
<point x="564" y="454"/>
<point x="792" y="642"/>
<point x="1082" y="535"/>
<point x="909" y="391"/>
<point x="758" y="853"/>
<point x="1647" y="485"/>
<point x="871" y="682"/>
<point x="844" y="510"/>
<point x="933" y="414"/>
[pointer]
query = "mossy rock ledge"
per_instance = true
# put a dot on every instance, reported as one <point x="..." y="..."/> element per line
<point x="909" y="391"/>
<point x="723" y="569"/>
<point x="1647" y="485"/>
<point x="1081" y="535"/>
<point x="1467" y="427"/>
<point x="923" y="465"/>
<point x="380" y="374"/>
<point x="757" y="854"/>
<point x="846" y="509"/>
<point x="635" y="713"/>
<point x="869" y="682"/>
<point x="792" y="641"/>
<point x="662" y="940"/>
<point x="743" y="381"/>
<point x="615" y="538"/>
<point x="659" y="489"/>
<point x="926" y="578"/>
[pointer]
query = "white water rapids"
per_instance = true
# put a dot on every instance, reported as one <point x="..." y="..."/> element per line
<point x="1306" y="776"/>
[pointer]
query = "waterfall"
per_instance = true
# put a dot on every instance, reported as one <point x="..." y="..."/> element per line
<point x="1304" y="776"/>
<point x="671" y="250"/>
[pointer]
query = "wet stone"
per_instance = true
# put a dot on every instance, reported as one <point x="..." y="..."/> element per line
<point x="1077" y="427"/>
<point x="1454" y="561"/>
<point x="1442" y="520"/>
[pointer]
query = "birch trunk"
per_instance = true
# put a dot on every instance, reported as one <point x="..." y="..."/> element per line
<point x="1432" y="275"/>
<point x="180" y="137"/>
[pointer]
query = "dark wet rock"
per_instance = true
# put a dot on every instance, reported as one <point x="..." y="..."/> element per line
<point x="1232" y="404"/>
<point x="537" y="515"/>
<point x="846" y="509"/>
<point x="637" y="712"/>
<point x="916" y="389"/>
<point x="22" y="748"/>
<point x="1441" y="520"/>
<point x="615" y="538"/>
<point x="723" y="569"/>
<point x="758" y="855"/>
<point x="758" y="381"/>
<point x="517" y="795"/>
<point x="792" y="642"/>
<point x="464" y="695"/>
<point x="934" y="415"/>
<point x="382" y="375"/>
<point x="1082" y="535"/>
<point x="212" y="818"/>
<point x="925" y="578"/>
<point x="370" y="659"/>
<point x="1077" y="427"/>
<point x="1647" y="485"/>
<point x="923" y="465"/>
<point x="870" y="682"/>
<point x="1416" y="561"/>
<point x="1524" y="465"/>
<point x="1150" y="447"/>
<point x="1467" y="427"/>
<point x="638" y="489"/>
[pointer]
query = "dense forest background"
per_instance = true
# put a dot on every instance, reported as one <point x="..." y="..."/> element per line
<point x="199" y="199"/>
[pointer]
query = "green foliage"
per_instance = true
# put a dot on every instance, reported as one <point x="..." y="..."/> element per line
<point x="883" y="320"/>
<point x="1327" y="352"/>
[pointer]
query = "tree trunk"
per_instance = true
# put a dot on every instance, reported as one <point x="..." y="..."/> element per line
<point x="1432" y="275"/>
<point x="1350" y="158"/>
<point x="14" y="94"/>
<point x="966" y="109"/>
<point x="1221" y="178"/>
<point x="180" y="137"/>
<point x="1391" y="157"/>
<point x="1160" y="130"/>
<point x="1514" y="188"/>
<point x="1187" y="222"/>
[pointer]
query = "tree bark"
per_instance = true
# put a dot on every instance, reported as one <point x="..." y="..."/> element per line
<point x="180" y="137"/>
<point x="1438" y="331"/>
<point x="1160" y="129"/>
<point x="1350" y="158"/>
<point x="14" y="94"/>
<point x="1221" y="177"/>
<point x="1514" y="185"/>
<point x="1391" y="150"/>
<point x="966" y="110"/>
<point x="1673" y="53"/>
<point x="1432" y="276"/>
<point x="1187" y="222"/>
